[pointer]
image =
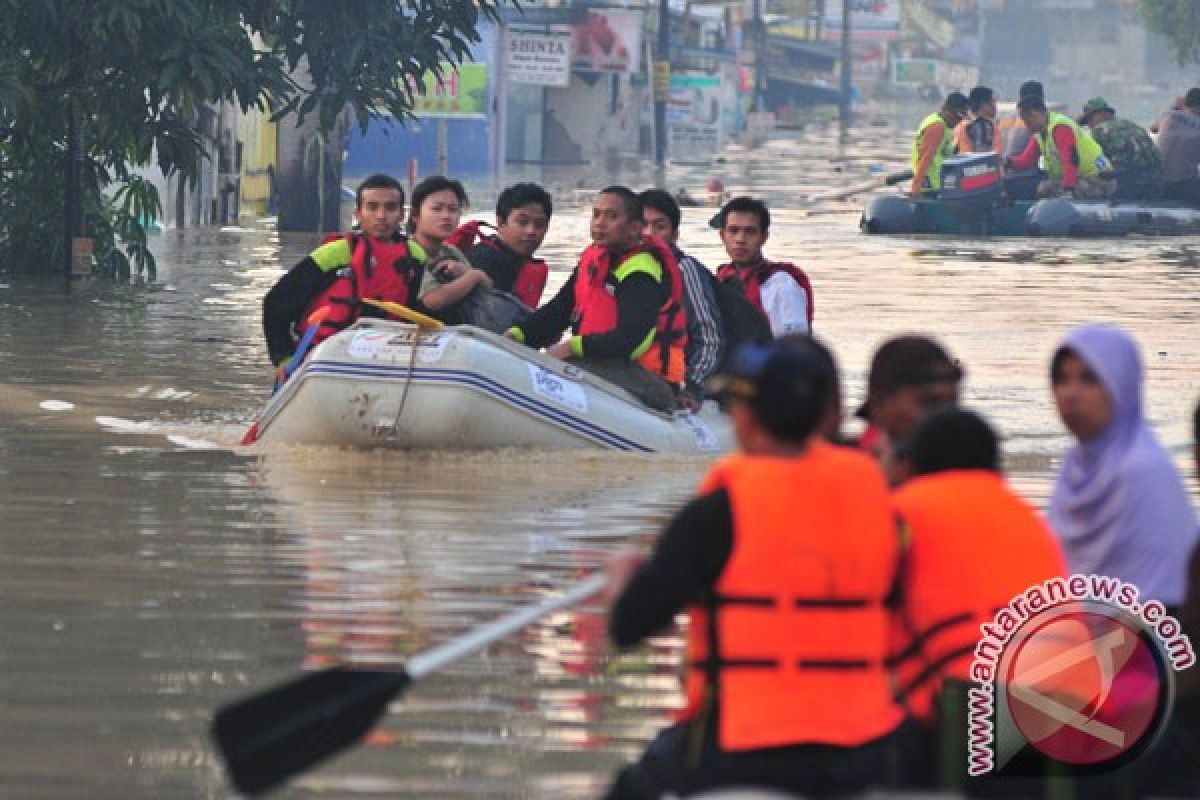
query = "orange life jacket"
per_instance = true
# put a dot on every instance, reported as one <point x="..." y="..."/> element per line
<point x="974" y="545"/>
<point x="530" y="281"/>
<point x="751" y="280"/>
<point x="792" y="643"/>
<point x="596" y="305"/>
<point x="378" y="270"/>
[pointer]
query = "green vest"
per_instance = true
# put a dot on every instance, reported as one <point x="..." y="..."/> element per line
<point x="945" y="151"/>
<point x="1092" y="160"/>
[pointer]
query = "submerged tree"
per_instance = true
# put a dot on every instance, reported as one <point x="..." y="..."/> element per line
<point x="131" y="78"/>
<point x="1179" y="22"/>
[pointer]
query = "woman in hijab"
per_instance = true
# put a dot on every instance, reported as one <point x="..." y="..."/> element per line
<point x="1119" y="506"/>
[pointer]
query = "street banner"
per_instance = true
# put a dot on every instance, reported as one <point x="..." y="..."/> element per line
<point x="694" y="117"/>
<point x="460" y="93"/>
<point x="609" y="41"/>
<point x="538" y="58"/>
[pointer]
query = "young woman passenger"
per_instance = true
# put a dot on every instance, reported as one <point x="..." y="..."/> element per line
<point x="437" y="207"/>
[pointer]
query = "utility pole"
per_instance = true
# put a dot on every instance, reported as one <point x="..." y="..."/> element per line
<point x="76" y="248"/>
<point x="760" y="54"/>
<point x="663" y="58"/>
<point x="844" y="104"/>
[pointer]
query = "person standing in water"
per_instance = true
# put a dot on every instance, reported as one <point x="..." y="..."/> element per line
<point x="1119" y="505"/>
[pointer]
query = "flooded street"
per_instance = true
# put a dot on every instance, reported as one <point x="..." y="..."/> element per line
<point x="151" y="570"/>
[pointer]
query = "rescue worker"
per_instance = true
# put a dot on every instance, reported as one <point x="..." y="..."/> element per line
<point x="1011" y="132"/>
<point x="934" y="143"/>
<point x="1179" y="142"/>
<point x="1137" y="165"/>
<point x="978" y="134"/>
<point x="702" y="354"/>
<point x="1075" y="165"/>
<point x="973" y="545"/>
<point x="378" y="262"/>
<point x="909" y="376"/>
<point x="785" y="681"/>
<point x="523" y="213"/>
<point x="780" y="291"/>
<point x="623" y="304"/>
<point x="437" y="206"/>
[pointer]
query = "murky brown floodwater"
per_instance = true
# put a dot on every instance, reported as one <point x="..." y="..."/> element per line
<point x="150" y="570"/>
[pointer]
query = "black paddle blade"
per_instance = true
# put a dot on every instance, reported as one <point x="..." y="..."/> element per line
<point x="268" y="738"/>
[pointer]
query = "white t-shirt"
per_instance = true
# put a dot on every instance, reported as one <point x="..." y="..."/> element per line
<point x="786" y="304"/>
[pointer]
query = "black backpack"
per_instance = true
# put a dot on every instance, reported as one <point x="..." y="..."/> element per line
<point x="741" y="322"/>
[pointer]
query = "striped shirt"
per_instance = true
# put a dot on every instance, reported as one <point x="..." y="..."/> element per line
<point x="703" y="350"/>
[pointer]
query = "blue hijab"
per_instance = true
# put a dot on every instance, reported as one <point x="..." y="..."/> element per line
<point x="1119" y="505"/>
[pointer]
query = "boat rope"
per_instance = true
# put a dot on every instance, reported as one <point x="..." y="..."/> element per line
<point x="412" y="362"/>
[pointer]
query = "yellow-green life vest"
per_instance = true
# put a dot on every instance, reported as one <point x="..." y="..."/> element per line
<point x="1092" y="160"/>
<point x="945" y="151"/>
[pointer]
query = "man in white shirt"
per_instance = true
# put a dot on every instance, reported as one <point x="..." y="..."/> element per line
<point x="780" y="291"/>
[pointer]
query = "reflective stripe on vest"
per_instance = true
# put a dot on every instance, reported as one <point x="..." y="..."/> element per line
<point x="974" y="545"/>
<point x="379" y="270"/>
<point x="1092" y="160"/>
<point x="944" y="151"/>
<point x="792" y="647"/>
<point x="662" y="351"/>
<point x="751" y="279"/>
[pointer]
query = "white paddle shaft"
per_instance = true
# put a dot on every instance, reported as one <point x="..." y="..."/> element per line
<point x="479" y="638"/>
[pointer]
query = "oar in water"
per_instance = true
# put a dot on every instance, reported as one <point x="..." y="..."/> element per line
<point x="270" y="737"/>
<point x="404" y="312"/>
<point x="310" y="331"/>
<point x="859" y="188"/>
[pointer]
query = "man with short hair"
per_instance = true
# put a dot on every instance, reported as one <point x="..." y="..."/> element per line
<point x="1179" y="141"/>
<point x="780" y="291"/>
<point x="1137" y="164"/>
<point x="934" y="143"/>
<point x="377" y="262"/>
<point x="1075" y="165"/>
<point x="956" y="506"/>
<point x="978" y="135"/>
<point x="662" y="216"/>
<point x="523" y="213"/>
<point x="623" y="305"/>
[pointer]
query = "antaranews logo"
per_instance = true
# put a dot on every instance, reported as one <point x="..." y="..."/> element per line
<point x="1078" y="670"/>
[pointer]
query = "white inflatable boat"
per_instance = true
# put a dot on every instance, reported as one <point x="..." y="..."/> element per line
<point x="467" y="389"/>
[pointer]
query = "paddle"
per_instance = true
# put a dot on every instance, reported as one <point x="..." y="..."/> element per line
<point x="270" y="737"/>
<point x="859" y="188"/>
<point x="310" y="331"/>
<point x="407" y="313"/>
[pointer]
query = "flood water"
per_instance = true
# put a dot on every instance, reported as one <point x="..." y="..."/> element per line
<point x="151" y="570"/>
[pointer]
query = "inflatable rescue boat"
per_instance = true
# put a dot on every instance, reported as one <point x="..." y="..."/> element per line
<point x="976" y="200"/>
<point x="394" y="385"/>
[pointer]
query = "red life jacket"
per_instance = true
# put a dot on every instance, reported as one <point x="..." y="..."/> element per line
<point x="753" y="278"/>
<point x="531" y="275"/>
<point x="378" y="270"/>
<point x="596" y="305"/>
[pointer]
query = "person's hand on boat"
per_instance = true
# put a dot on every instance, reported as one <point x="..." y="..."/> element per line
<point x="280" y="372"/>
<point x="561" y="350"/>
<point x="689" y="399"/>
<point x="620" y="567"/>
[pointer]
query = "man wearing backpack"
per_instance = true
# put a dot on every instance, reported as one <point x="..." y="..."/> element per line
<point x="780" y="291"/>
<point x="702" y="354"/>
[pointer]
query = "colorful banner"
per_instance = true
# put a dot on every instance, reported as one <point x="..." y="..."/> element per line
<point x="460" y="92"/>
<point x="537" y="58"/>
<point x="610" y="41"/>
